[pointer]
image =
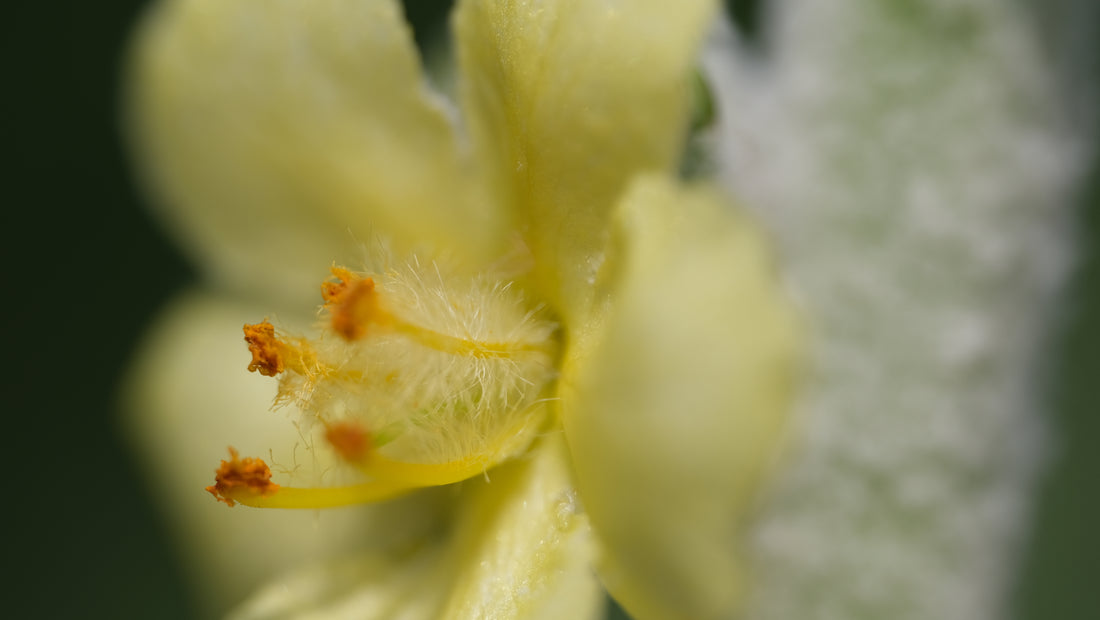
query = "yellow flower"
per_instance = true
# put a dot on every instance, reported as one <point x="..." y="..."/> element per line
<point x="596" y="353"/>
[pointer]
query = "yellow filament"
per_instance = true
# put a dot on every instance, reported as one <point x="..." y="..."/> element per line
<point x="355" y="305"/>
<point x="423" y="474"/>
<point x="455" y="345"/>
<point x="318" y="497"/>
<point x="383" y="469"/>
<point x="390" y="479"/>
<point x="394" y="478"/>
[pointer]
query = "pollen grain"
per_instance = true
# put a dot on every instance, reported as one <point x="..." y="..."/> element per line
<point x="264" y="347"/>
<point x="249" y="475"/>
<point x="330" y="290"/>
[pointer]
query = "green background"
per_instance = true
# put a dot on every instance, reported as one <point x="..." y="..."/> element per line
<point x="85" y="268"/>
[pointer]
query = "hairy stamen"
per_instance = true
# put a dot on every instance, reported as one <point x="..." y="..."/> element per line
<point x="416" y="381"/>
<point x="355" y="304"/>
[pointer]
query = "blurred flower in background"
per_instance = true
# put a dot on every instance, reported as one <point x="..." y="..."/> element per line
<point x="916" y="163"/>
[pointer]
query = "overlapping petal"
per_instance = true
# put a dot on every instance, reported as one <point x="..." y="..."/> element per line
<point x="519" y="548"/>
<point x="281" y="135"/>
<point x="283" y="144"/>
<point x="523" y="544"/>
<point x="567" y="100"/>
<point x="675" y="404"/>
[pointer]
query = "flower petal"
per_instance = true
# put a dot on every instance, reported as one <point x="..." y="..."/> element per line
<point x="518" y="549"/>
<point x="280" y="135"/>
<point x="523" y="549"/>
<point x="674" y="405"/>
<point x="396" y="586"/>
<point x="566" y="101"/>
<point x="188" y="395"/>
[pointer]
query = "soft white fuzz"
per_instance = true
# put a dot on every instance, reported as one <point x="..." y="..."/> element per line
<point x="915" y="162"/>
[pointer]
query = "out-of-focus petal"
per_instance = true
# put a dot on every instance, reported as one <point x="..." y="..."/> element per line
<point x="281" y="135"/>
<point x="566" y="101"/>
<point x="404" y="585"/>
<point x="188" y="395"/>
<point x="674" y="405"/>
<point x="523" y="548"/>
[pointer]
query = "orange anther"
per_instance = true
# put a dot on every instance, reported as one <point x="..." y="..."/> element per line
<point x="264" y="347"/>
<point x="353" y="303"/>
<point x="350" y="440"/>
<point x="248" y="473"/>
<point x="331" y="291"/>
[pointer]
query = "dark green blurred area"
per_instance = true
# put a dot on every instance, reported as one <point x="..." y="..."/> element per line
<point x="85" y="268"/>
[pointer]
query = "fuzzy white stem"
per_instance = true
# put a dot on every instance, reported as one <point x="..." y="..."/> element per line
<point x="915" y="164"/>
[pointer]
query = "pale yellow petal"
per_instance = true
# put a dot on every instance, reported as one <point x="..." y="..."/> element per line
<point x="187" y="398"/>
<point x="675" y="404"/>
<point x="519" y="547"/>
<point x="523" y="546"/>
<point x="566" y="101"/>
<point x="403" y="585"/>
<point x="279" y="136"/>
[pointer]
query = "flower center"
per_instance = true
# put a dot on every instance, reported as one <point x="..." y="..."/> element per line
<point x="417" y="378"/>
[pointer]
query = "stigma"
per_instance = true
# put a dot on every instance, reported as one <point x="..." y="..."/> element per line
<point x="416" y="378"/>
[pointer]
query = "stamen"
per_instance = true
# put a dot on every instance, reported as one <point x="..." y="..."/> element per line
<point x="317" y="497"/>
<point x="394" y="479"/>
<point x="354" y="303"/>
<point x="427" y="384"/>
<point x="248" y="481"/>
<point x="236" y="477"/>
<point x="272" y="355"/>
